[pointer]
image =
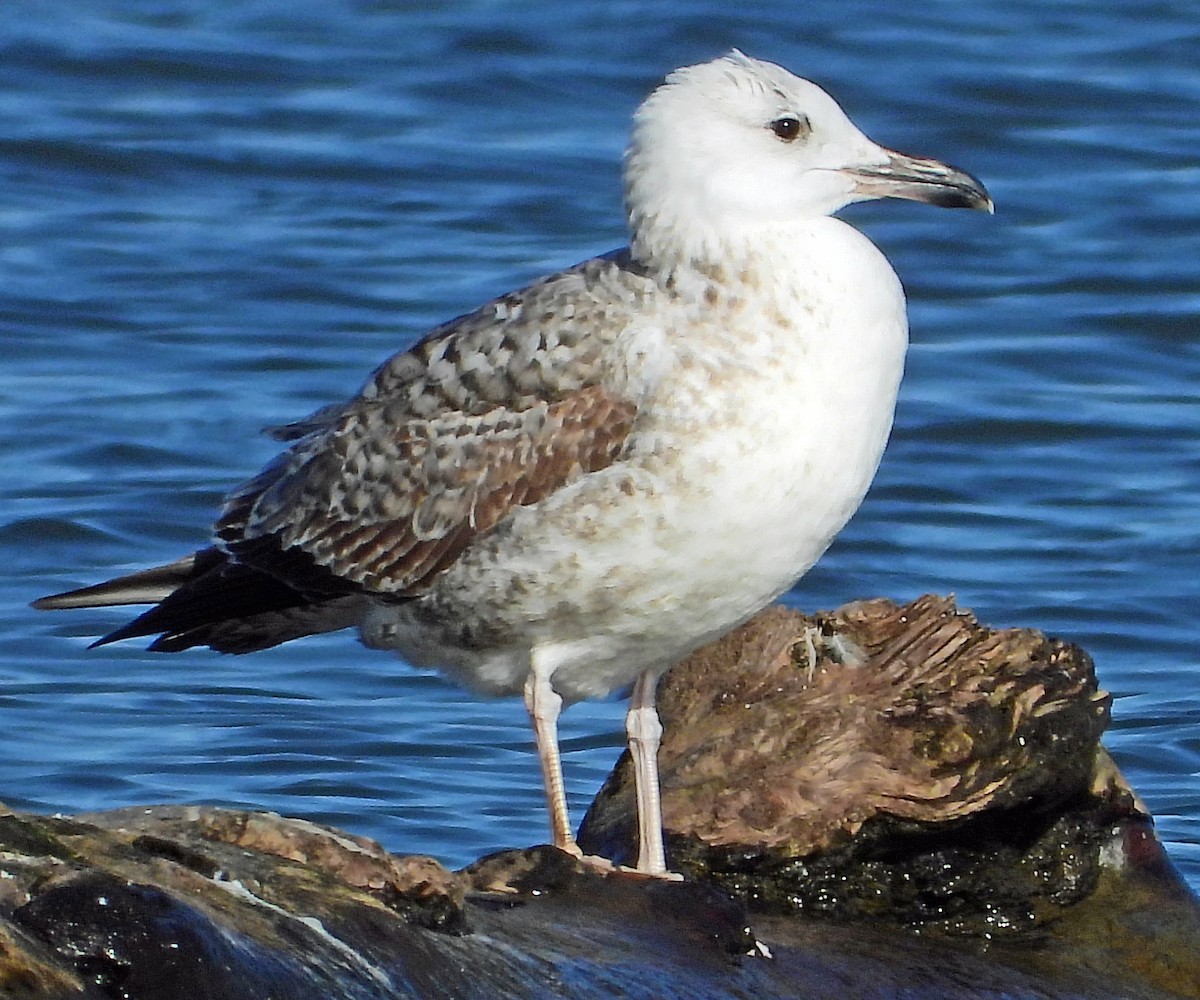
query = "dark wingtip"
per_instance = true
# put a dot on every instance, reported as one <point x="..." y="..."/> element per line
<point x="130" y="630"/>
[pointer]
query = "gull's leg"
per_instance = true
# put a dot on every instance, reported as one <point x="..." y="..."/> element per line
<point x="645" y="733"/>
<point x="544" y="705"/>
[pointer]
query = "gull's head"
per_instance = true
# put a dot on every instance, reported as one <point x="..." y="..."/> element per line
<point x="726" y="148"/>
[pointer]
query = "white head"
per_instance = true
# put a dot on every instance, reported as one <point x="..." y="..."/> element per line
<point x="729" y="147"/>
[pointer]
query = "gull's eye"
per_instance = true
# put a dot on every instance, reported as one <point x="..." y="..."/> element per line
<point x="790" y="127"/>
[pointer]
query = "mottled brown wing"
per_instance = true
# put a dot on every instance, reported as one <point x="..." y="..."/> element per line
<point x="495" y="409"/>
<point x="385" y="506"/>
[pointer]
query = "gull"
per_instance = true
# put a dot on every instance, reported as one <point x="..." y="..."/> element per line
<point x="566" y="491"/>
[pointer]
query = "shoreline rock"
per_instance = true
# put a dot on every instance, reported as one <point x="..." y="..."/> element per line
<point x="884" y="801"/>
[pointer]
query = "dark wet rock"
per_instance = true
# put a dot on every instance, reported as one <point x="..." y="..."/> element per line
<point x="129" y="940"/>
<point x="938" y="821"/>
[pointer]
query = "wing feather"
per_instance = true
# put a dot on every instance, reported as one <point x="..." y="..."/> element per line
<point x="386" y="508"/>
<point x="496" y="409"/>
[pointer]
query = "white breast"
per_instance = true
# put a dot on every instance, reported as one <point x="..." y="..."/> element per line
<point x="771" y="426"/>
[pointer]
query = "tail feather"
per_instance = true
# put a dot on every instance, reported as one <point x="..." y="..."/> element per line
<point x="148" y="586"/>
<point x="208" y="599"/>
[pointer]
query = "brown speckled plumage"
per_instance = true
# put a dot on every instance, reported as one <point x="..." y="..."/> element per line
<point x="565" y="491"/>
<point x="496" y="409"/>
<point x="385" y="504"/>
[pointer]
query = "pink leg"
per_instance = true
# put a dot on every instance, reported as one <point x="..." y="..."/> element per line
<point x="544" y="705"/>
<point x="645" y="733"/>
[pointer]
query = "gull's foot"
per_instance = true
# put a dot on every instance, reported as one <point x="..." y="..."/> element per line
<point x="593" y="861"/>
<point x="625" y="870"/>
<point x="602" y="866"/>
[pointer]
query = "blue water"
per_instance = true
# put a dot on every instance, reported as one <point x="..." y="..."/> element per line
<point x="218" y="216"/>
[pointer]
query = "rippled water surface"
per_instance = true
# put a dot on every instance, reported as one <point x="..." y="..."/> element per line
<point x="218" y="216"/>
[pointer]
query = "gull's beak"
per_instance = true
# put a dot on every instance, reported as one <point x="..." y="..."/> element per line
<point x="902" y="176"/>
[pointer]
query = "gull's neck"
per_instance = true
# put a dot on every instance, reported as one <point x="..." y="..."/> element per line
<point x="666" y="242"/>
<point x="676" y="257"/>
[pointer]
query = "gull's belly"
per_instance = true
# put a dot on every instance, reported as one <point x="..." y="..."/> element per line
<point x="634" y="566"/>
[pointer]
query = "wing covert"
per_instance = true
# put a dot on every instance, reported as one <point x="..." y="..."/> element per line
<point x="494" y="410"/>
<point x="385" y="507"/>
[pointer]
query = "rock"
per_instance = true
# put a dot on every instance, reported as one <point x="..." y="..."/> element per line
<point x="930" y="817"/>
<point x="948" y="780"/>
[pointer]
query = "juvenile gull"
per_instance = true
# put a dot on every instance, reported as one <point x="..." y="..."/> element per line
<point x="566" y="491"/>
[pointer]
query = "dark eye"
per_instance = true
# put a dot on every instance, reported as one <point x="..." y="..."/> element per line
<point x="790" y="127"/>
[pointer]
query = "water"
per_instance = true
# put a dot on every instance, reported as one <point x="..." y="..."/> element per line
<point x="218" y="216"/>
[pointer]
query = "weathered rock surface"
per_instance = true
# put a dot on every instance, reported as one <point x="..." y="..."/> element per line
<point x="933" y="818"/>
